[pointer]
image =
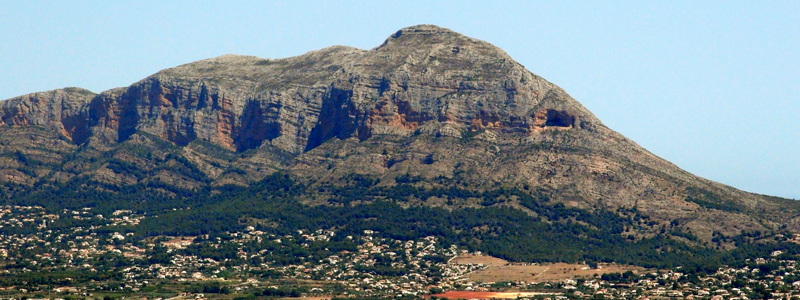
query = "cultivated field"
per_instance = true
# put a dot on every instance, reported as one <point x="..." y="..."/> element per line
<point x="501" y="270"/>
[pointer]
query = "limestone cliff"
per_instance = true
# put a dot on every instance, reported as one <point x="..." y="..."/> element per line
<point x="420" y="74"/>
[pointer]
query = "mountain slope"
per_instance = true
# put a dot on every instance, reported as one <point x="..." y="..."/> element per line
<point x="429" y="109"/>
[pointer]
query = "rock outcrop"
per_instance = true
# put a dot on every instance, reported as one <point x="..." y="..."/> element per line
<point x="420" y="74"/>
<point x="63" y="110"/>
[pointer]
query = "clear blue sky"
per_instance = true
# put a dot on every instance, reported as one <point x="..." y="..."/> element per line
<point x="711" y="86"/>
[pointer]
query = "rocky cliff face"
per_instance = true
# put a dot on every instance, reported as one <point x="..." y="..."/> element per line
<point x="428" y="103"/>
<point x="62" y="110"/>
<point x="419" y="75"/>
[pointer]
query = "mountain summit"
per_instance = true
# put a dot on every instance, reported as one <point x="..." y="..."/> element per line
<point x="419" y="74"/>
<point x="429" y="109"/>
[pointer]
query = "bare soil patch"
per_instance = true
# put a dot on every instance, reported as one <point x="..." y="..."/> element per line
<point x="478" y="259"/>
<point x="500" y="270"/>
<point x="487" y="295"/>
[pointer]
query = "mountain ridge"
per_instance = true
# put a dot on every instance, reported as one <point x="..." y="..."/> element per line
<point x="429" y="107"/>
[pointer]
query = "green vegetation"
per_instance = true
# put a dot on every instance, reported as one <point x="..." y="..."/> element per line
<point x="709" y="200"/>
<point x="551" y="233"/>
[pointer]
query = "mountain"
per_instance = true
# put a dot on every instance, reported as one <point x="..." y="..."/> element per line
<point x="428" y="119"/>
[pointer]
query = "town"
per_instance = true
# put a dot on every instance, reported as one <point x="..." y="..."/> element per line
<point x="44" y="255"/>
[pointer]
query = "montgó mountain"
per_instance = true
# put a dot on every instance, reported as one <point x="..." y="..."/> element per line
<point x="429" y="119"/>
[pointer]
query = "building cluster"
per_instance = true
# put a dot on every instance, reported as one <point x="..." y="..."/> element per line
<point x="375" y="266"/>
<point x="98" y="256"/>
<point x="762" y="278"/>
